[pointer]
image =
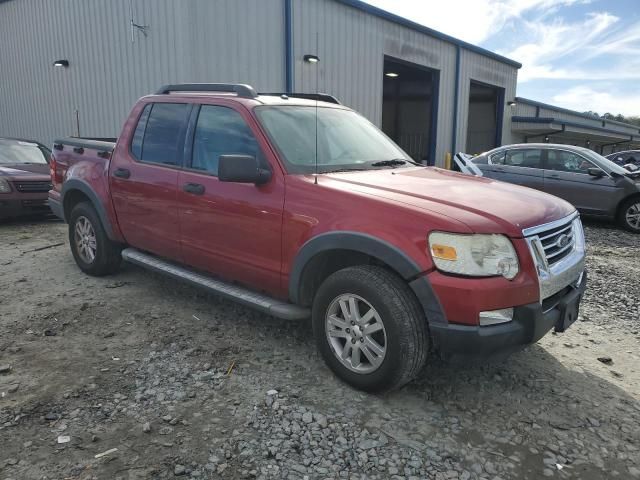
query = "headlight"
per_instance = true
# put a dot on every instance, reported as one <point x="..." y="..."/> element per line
<point x="4" y="186"/>
<point x="474" y="255"/>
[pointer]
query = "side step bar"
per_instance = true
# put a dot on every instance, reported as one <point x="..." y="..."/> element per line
<point x="259" y="301"/>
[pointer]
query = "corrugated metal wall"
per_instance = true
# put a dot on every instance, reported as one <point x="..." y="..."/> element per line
<point x="352" y="45"/>
<point x="187" y="41"/>
<point x="210" y="41"/>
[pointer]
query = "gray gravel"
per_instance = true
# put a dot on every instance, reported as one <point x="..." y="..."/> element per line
<point x="189" y="386"/>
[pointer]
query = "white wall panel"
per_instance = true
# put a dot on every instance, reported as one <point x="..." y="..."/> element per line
<point x="187" y="41"/>
<point x="210" y="41"/>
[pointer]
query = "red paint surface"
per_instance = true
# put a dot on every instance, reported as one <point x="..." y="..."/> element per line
<point x="252" y="234"/>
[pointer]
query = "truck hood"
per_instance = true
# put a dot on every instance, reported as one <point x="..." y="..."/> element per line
<point x="25" y="172"/>
<point x="482" y="204"/>
<point x="41" y="168"/>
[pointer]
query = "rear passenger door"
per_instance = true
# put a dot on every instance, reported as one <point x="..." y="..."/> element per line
<point x="232" y="230"/>
<point x="566" y="175"/>
<point x="522" y="166"/>
<point x="144" y="177"/>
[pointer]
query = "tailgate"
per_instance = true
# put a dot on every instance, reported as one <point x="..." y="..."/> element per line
<point x="68" y="152"/>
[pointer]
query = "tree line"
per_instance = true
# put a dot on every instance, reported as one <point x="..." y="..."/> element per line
<point x="635" y="119"/>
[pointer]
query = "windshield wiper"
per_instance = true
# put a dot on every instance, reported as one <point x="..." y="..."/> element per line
<point x="339" y="170"/>
<point x="389" y="163"/>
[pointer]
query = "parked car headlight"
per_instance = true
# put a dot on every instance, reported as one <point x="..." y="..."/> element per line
<point x="474" y="255"/>
<point x="4" y="186"/>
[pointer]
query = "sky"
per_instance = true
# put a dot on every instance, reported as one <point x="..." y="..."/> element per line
<point x="577" y="54"/>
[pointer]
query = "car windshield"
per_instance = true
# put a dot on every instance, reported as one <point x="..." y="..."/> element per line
<point x="18" y="152"/>
<point x="344" y="140"/>
<point x="606" y="163"/>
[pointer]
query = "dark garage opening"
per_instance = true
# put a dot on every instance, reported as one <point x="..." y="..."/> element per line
<point x="484" y="126"/>
<point x="408" y="109"/>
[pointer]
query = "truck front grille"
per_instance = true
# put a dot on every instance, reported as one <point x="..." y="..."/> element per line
<point x="558" y="254"/>
<point x="32" y="186"/>
<point x="557" y="242"/>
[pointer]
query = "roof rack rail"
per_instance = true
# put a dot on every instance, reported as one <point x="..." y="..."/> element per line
<point x="321" y="97"/>
<point x="242" y="90"/>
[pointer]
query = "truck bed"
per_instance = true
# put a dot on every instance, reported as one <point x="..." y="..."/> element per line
<point x="82" y="164"/>
<point x="98" y="144"/>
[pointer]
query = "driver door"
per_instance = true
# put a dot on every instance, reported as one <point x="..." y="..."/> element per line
<point x="232" y="230"/>
<point x="566" y="175"/>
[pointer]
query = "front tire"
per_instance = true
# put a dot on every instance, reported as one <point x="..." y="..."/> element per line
<point x="629" y="215"/>
<point x="92" y="250"/>
<point x="370" y="328"/>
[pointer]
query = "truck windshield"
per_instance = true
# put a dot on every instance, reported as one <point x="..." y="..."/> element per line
<point x="344" y="140"/>
<point x="14" y="152"/>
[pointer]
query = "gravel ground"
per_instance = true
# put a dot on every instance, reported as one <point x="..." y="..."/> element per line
<point x="135" y="376"/>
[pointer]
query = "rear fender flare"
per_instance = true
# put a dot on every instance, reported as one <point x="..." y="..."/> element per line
<point x="75" y="184"/>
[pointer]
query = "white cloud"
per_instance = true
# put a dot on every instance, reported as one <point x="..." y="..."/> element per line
<point x="550" y="42"/>
<point x="471" y="20"/>
<point x="583" y="98"/>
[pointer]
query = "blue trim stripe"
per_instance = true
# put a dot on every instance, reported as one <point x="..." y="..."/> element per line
<point x="288" y="47"/>
<point x="435" y="105"/>
<point x="456" y="94"/>
<point x="500" y="116"/>
<point x="378" y="12"/>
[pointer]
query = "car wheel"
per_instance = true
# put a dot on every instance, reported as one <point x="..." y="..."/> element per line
<point x="92" y="250"/>
<point x="370" y="328"/>
<point x="629" y="216"/>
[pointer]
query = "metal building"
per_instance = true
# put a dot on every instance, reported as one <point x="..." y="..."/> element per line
<point x="430" y="92"/>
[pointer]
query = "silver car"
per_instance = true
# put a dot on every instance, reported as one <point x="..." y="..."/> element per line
<point x="594" y="185"/>
<point x="626" y="158"/>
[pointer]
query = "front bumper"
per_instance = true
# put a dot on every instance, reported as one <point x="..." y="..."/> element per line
<point x="530" y="323"/>
<point x="56" y="207"/>
<point x="16" y="207"/>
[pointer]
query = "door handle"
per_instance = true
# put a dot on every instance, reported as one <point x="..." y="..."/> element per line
<point x="122" y="173"/>
<point x="555" y="175"/>
<point x="195" y="188"/>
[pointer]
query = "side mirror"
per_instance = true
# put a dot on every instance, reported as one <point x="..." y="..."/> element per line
<point x="596" y="172"/>
<point x="241" y="169"/>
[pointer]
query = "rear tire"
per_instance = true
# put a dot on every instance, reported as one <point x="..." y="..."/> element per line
<point x="629" y="215"/>
<point x="92" y="250"/>
<point x="388" y="328"/>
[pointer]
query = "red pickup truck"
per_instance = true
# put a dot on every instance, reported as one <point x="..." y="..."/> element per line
<point x="298" y="206"/>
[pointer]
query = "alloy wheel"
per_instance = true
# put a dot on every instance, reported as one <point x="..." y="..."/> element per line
<point x="356" y="333"/>
<point x="632" y="216"/>
<point x="85" y="239"/>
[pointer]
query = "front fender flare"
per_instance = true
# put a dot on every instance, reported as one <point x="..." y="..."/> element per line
<point x="375" y="247"/>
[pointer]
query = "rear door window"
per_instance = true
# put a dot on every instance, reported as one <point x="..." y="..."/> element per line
<point x="528" y="158"/>
<point x="220" y="131"/>
<point x="498" y="158"/>
<point x="159" y="134"/>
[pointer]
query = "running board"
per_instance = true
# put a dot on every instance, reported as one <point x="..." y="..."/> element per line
<point x="259" y="301"/>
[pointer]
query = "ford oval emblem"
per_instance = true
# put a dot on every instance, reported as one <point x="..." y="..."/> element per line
<point x="563" y="241"/>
